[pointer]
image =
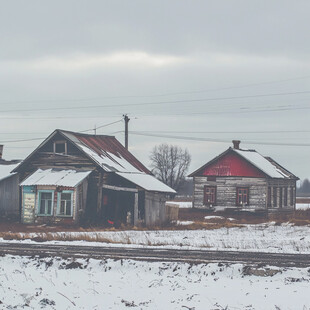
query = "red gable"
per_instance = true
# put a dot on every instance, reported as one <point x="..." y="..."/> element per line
<point x="231" y="164"/>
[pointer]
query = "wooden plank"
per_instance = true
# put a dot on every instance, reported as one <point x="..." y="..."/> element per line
<point x="117" y="188"/>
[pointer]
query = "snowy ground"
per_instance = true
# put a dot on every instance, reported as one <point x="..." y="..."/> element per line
<point x="181" y="204"/>
<point x="263" y="237"/>
<point x="302" y="206"/>
<point x="34" y="283"/>
<point x="189" y="204"/>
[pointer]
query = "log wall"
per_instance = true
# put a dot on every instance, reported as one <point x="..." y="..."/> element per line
<point x="226" y="192"/>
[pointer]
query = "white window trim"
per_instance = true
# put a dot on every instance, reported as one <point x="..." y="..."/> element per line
<point x="59" y="201"/>
<point x="39" y="202"/>
<point x="60" y="142"/>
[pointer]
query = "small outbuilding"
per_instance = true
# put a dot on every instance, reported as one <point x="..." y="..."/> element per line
<point x="73" y="178"/>
<point x="9" y="188"/>
<point x="244" y="179"/>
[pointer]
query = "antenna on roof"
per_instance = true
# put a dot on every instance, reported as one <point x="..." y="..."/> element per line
<point x="126" y="119"/>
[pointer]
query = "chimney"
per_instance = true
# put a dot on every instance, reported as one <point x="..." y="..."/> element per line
<point x="236" y="144"/>
<point x="1" y="150"/>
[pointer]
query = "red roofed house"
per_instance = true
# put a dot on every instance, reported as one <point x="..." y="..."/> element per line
<point x="72" y="177"/>
<point x="244" y="179"/>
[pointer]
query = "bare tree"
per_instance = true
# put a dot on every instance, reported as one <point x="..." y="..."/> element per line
<point x="170" y="164"/>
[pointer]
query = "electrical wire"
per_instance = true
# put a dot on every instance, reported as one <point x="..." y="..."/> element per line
<point x="42" y="138"/>
<point x="158" y="95"/>
<point x="159" y="102"/>
<point x="218" y="140"/>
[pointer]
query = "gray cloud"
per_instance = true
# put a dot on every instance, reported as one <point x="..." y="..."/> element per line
<point x="72" y="53"/>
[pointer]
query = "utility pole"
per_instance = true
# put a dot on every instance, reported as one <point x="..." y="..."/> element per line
<point x="126" y="119"/>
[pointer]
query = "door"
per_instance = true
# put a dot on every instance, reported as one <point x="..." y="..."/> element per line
<point x="29" y="200"/>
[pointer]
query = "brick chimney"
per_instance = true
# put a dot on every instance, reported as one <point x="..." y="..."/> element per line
<point x="1" y="150"/>
<point x="236" y="144"/>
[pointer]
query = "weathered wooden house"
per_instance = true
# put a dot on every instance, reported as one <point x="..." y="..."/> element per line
<point x="9" y="188"/>
<point x="244" y="179"/>
<point x="73" y="177"/>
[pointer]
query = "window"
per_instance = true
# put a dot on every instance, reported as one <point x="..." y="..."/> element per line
<point x="45" y="202"/>
<point x="292" y="196"/>
<point x="269" y="197"/>
<point x="60" y="147"/>
<point x="65" y="203"/>
<point x="280" y="197"/>
<point x="210" y="195"/>
<point x="242" y="196"/>
<point x="275" y="197"/>
<point x="285" y="196"/>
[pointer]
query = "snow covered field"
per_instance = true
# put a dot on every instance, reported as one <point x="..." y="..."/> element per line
<point x="37" y="283"/>
<point x="263" y="237"/>
<point x="188" y="204"/>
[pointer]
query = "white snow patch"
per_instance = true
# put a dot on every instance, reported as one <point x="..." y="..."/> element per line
<point x="261" y="163"/>
<point x="181" y="204"/>
<point x="146" y="181"/>
<point x="302" y="206"/>
<point x="37" y="283"/>
<point x="214" y="217"/>
<point x="5" y="170"/>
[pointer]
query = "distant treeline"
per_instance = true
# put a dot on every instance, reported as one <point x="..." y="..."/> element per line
<point x="304" y="188"/>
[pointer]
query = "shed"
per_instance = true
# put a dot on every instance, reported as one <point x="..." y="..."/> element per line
<point x="9" y="189"/>
<point x="244" y="179"/>
<point x="119" y="190"/>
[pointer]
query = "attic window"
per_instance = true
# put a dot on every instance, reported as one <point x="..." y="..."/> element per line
<point x="60" y="147"/>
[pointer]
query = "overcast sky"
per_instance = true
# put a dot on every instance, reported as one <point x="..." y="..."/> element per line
<point x="206" y="70"/>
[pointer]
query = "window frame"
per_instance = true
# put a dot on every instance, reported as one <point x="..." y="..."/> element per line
<point x="205" y="202"/>
<point x="247" y="196"/>
<point x="59" y="203"/>
<point x="60" y="142"/>
<point x="40" y="192"/>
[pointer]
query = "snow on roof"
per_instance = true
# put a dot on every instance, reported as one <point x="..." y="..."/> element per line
<point x="5" y="170"/>
<point x="70" y="178"/>
<point x="147" y="182"/>
<point x="107" y="152"/>
<point x="108" y="161"/>
<point x="262" y="163"/>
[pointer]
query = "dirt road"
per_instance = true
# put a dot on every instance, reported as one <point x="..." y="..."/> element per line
<point x="156" y="254"/>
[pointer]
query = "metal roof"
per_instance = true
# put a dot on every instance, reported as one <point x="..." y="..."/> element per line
<point x="106" y="151"/>
<point x="265" y="164"/>
<point x="70" y="178"/>
<point x="147" y="182"/>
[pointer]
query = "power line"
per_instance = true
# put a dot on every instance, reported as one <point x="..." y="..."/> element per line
<point x="41" y="138"/>
<point x="101" y="126"/>
<point x="157" y="95"/>
<point x="222" y="132"/>
<point x="218" y="140"/>
<point x="161" y="102"/>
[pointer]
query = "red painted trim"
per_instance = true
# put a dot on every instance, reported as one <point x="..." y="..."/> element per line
<point x="232" y="164"/>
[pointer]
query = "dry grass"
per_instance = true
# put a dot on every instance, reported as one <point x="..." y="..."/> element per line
<point x="41" y="237"/>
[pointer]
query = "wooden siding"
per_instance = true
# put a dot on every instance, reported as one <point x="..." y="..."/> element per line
<point x="226" y="188"/>
<point x="9" y="196"/>
<point x="30" y="214"/>
<point x="279" y="185"/>
<point x="155" y="209"/>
